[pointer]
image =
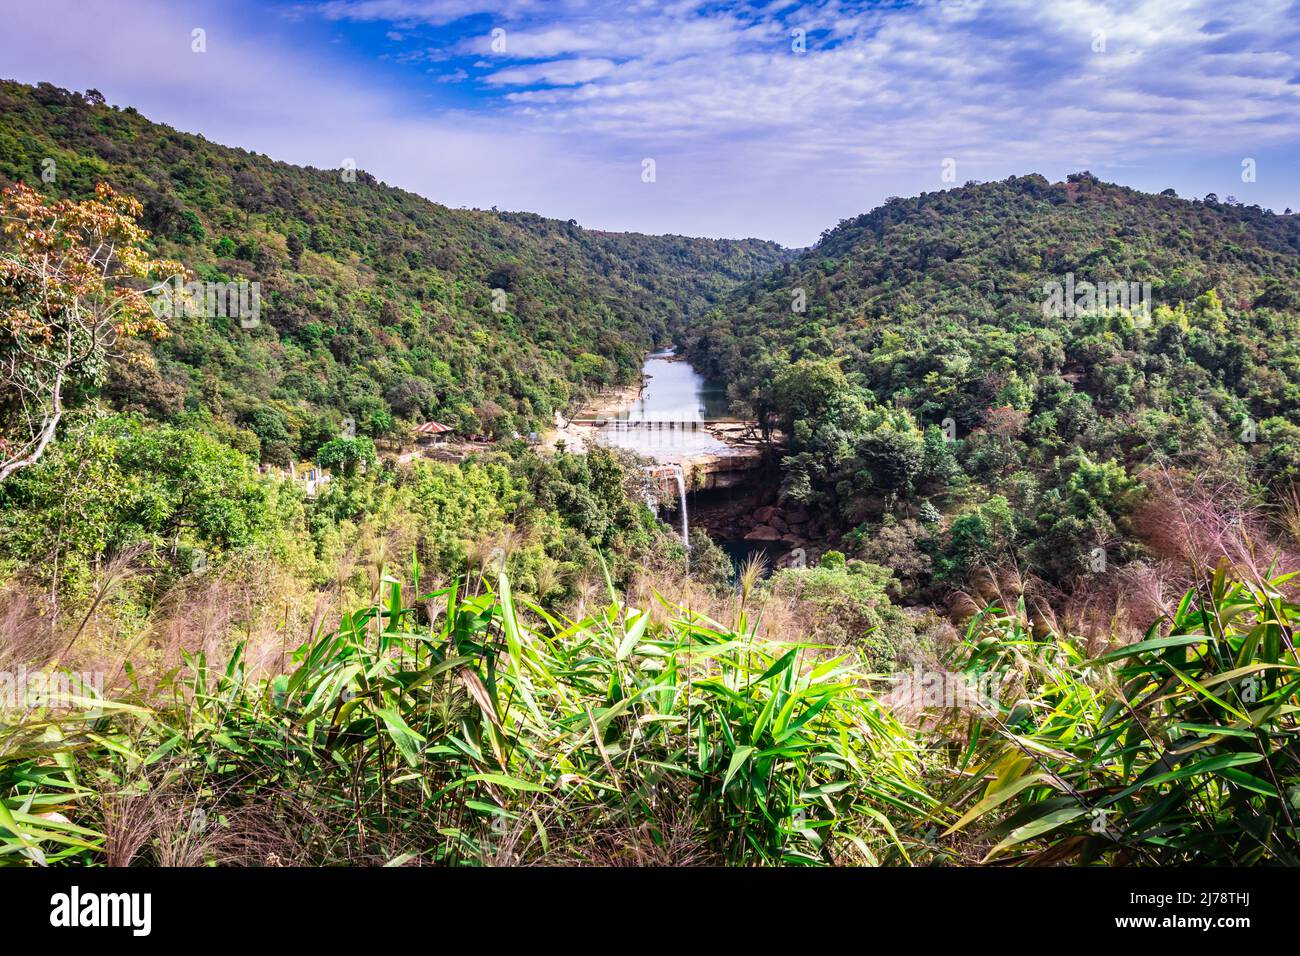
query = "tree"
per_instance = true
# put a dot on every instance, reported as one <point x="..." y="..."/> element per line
<point x="346" y="453"/>
<point x="185" y="482"/>
<point x="116" y="481"/>
<point x="274" y="437"/>
<point x="810" y="389"/>
<point x="981" y="535"/>
<point x="891" y="450"/>
<point x="69" y="288"/>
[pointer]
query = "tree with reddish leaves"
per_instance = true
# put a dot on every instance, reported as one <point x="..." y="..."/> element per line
<point x="74" y="278"/>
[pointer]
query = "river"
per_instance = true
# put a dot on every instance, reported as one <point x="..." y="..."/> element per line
<point x="665" y="421"/>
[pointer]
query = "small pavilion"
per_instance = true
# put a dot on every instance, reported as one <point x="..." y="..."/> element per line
<point x="431" y="433"/>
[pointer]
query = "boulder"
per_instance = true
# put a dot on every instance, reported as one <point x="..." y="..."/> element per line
<point x="764" y="515"/>
<point x="764" y="532"/>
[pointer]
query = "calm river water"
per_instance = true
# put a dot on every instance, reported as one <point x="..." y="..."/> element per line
<point x="665" y="421"/>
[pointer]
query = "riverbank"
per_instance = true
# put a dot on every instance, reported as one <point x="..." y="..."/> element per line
<point x="608" y="404"/>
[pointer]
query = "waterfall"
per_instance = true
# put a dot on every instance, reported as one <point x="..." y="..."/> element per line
<point x="659" y="473"/>
<point x="681" y="498"/>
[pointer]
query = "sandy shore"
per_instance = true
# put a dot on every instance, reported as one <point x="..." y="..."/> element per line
<point x="608" y="403"/>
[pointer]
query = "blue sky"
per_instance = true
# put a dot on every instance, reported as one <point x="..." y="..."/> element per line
<point x="763" y="119"/>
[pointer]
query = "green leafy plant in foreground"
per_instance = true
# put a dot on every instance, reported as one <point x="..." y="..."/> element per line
<point x="484" y="738"/>
<point x="452" y="728"/>
<point x="1180" y="748"/>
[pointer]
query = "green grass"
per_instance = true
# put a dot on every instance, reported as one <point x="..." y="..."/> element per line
<point x="458" y="728"/>
<point x="484" y="738"/>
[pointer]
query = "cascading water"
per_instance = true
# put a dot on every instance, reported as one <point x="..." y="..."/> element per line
<point x="666" y="423"/>
<point x="659" y="473"/>
<point x="681" y="500"/>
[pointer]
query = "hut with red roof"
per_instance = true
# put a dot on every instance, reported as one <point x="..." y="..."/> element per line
<point x="431" y="433"/>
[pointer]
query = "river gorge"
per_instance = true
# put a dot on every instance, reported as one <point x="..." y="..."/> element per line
<point x="712" y="471"/>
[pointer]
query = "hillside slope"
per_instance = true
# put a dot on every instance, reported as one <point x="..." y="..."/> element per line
<point x="939" y="309"/>
<point x="376" y="303"/>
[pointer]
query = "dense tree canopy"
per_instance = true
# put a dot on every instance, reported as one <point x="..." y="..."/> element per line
<point x="921" y="356"/>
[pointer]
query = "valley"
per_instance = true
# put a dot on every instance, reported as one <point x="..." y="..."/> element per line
<point x="447" y="559"/>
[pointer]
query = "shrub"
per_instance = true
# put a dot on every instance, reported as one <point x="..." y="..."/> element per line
<point x="1179" y="749"/>
<point x="847" y="607"/>
<point x="486" y="739"/>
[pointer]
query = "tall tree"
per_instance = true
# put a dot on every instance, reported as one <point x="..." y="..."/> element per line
<point x="74" y="277"/>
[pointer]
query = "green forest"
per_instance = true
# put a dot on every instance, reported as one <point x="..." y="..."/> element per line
<point x="1048" y="618"/>
<point x="912" y="360"/>
<point x="378" y="303"/>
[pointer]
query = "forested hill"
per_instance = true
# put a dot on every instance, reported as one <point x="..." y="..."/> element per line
<point x="981" y="254"/>
<point x="376" y="303"/>
<point x="938" y="308"/>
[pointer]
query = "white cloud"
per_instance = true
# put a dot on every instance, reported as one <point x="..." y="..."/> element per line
<point x="553" y="73"/>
